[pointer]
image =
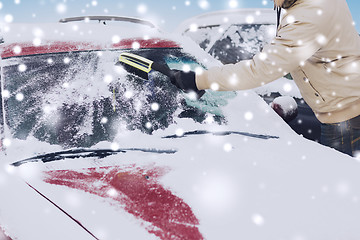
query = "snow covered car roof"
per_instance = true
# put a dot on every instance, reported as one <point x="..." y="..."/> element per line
<point x="223" y="167"/>
<point x="243" y="15"/>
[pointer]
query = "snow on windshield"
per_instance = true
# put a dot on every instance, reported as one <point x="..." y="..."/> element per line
<point x="231" y="43"/>
<point x="81" y="98"/>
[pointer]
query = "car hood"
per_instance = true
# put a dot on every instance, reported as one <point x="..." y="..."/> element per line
<point x="215" y="183"/>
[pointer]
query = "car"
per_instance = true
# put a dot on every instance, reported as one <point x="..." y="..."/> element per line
<point x="235" y="35"/>
<point x="92" y="150"/>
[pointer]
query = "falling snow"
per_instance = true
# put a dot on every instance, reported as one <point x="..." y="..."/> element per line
<point x="203" y="4"/>
<point x="17" y="49"/>
<point x="233" y="4"/>
<point x="221" y="178"/>
<point x="19" y="97"/>
<point x="61" y="8"/>
<point x="9" y="18"/>
<point x="142" y="9"/>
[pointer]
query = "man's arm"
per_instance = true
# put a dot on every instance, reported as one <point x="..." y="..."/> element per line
<point x="296" y="42"/>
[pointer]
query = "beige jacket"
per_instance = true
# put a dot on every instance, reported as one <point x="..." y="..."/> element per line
<point x="319" y="45"/>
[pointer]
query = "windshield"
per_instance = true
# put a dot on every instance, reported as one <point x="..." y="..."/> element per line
<point x="78" y="99"/>
<point x="235" y="42"/>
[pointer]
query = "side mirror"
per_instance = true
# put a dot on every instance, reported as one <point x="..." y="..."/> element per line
<point x="286" y="107"/>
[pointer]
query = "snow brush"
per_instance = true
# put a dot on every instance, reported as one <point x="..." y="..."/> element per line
<point x="141" y="66"/>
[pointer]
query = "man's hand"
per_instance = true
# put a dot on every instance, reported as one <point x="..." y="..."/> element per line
<point x="184" y="80"/>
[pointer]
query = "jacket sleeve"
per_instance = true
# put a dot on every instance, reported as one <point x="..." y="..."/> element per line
<point x="295" y="43"/>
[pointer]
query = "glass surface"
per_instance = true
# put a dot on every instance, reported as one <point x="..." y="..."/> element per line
<point x="81" y="98"/>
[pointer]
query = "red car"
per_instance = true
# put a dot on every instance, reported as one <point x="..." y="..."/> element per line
<point x="93" y="151"/>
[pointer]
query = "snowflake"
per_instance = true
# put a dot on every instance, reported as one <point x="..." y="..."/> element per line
<point x="135" y="45"/>
<point x="67" y="60"/>
<point x="250" y="19"/>
<point x="179" y="132"/>
<point x="155" y="107"/>
<point x="112" y="192"/>
<point x="215" y="87"/>
<point x="233" y="4"/>
<point x="19" y="97"/>
<point x="199" y="70"/>
<point x="38" y="32"/>
<point x="193" y="27"/>
<point x="6" y="142"/>
<point x="108" y="79"/>
<point x="204" y="4"/>
<point x="22" y="68"/>
<point x="128" y="94"/>
<point x="262" y="56"/>
<point x="142" y="9"/>
<point x="61" y="8"/>
<point x="287" y="87"/>
<point x="209" y="120"/>
<point x="37" y="42"/>
<point x="8" y="18"/>
<point x="5" y="93"/>
<point x="258" y="219"/>
<point x="249" y="116"/>
<point x="228" y="147"/>
<point x="321" y="39"/>
<point x="290" y="19"/>
<point x="115" y="39"/>
<point x="48" y="109"/>
<point x="17" y="49"/>
<point x="186" y="68"/>
<point x="114" y="146"/>
<point x="104" y="120"/>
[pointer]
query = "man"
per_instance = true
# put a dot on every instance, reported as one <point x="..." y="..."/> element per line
<point x="317" y="43"/>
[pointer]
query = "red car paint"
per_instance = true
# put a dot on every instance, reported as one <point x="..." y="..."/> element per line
<point x="139" y="192"/>
<point x="8" y="51"/>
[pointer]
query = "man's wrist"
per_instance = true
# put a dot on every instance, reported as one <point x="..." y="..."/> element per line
<point x="201" y="80"/>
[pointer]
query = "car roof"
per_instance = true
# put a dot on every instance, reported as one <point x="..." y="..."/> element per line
<point x="21" y="39"/>
<point x="238" y="16"/>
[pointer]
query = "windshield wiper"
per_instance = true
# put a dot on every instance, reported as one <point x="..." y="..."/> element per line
<point x="223" y="133"/>
<point x="85" y="153"/>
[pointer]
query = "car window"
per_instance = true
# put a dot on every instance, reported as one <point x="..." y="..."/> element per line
<point x="81" y="98"/>
<point x="235" y="42"/>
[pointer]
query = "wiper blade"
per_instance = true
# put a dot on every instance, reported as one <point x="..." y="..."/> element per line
<point x="223" y="133"/>
<point x="85" y="153"/>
